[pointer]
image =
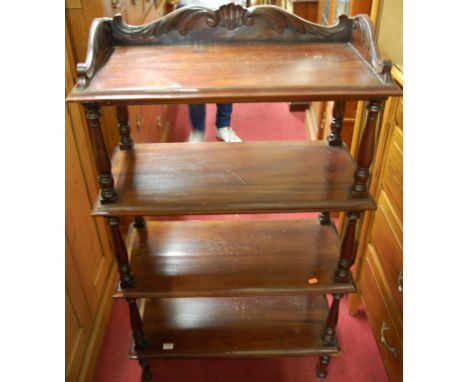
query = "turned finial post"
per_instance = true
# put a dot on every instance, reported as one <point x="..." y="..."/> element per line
<point x="366" y="150"/>
<point x="121" y="255"/>
<point x="103" y="165"/>
<point x="347" y="250"/>
<point x="334" y="138"/>
<point x="126" y="142"/>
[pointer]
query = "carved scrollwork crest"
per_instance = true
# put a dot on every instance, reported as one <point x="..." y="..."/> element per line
<point x="230" y="16"/>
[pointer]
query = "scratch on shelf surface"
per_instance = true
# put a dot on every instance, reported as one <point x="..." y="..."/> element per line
<point x="237" y="176"/>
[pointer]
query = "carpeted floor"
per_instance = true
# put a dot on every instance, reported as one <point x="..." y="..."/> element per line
<point x="359" y="360"/>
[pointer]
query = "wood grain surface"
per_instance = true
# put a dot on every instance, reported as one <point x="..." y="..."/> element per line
<point x="218" y="177"/>
<point x="233" y="258"/>
<point x="243" y="72"/>
<point x="234" y="327"/>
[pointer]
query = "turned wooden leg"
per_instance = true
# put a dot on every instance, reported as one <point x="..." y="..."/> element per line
<point x="334" y="138"/>
<point x="137" y="325"/>
<point x="322" y="366"/>
<point x="324" y="218"/>
<point x="145" y="366"/>
<point x="126" y="142"/>
<point x="139" y="222"/>
<point x="106" y="181"/>
<point x="138" y="336"/>
<point x="329" y="335"/>
<point x="121" y="255"/>
<point x="347" y="251"/>
<point x="366" y="151"/>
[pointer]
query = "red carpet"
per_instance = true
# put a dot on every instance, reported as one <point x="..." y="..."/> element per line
<point x="359" y="360"/>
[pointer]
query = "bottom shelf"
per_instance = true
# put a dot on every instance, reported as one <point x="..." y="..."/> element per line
<point x="234" y="327"/>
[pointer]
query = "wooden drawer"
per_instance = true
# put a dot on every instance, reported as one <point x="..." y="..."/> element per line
<point x="148" y="123"/>
<point x="392" y="181"/>
<point x="386" y="240"/>
<point x="381" y="319"/>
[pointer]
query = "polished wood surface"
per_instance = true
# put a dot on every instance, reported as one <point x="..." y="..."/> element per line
<point x="216" y="177"/>
<point x="233" y="258"/>
<point x="244" y="72"/>
<point x="235" y="327"/>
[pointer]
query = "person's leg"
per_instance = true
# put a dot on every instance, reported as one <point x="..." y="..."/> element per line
<point x="197" y="120"/>
<point x="197" y="117"/>
<point x="223" y="122"/>
<point x="223" y="115"/>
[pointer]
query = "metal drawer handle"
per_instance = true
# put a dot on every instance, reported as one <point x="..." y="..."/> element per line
<point x="384" y="340"/>
<point x="139" y="120"/>
<point x="400" y="282"/>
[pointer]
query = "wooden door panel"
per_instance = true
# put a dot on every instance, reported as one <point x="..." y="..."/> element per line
<point x="381" y="322"/>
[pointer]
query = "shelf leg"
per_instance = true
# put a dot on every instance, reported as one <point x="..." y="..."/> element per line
<point x="324" y="218"/>
<point x="334" y="138"/>
<point x="329" y="336"/>
<point x="145" y="366"/>
<point x="126" y="142"/>
<point x="366" y="151"/>
<point x="139" y="222"/>
<point x="138" y="336"/>
<point x="322" y="366"/>
<point x="121" y="255"/>
<point x="347" y="251"/>
<point x="103" y="165"/>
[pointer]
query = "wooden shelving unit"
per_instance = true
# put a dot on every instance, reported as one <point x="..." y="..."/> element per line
<point x="232" y="288"/>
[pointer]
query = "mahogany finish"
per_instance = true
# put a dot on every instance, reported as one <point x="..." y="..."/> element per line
<point x="347" y="249"/>
<point x="121" y="255"/>
<point x="334" y="138"/>
<point x="221" y="275"/>
<point x="214" y="177"/>
<point x="233" y="258"/>
<point x="126" y="141"/>
<point x="244" y="73"/>
<point x="234" y="327"/>
<point x="106" y="182"/>
<point x="366" y="151"/>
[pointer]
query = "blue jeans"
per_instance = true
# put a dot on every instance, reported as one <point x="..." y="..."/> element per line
<point x="197" y="115"/>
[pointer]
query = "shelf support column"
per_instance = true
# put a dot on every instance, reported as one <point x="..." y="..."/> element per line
<point x="138" y="336"/>
<point x="334" y="138"/>
<point x="139" y="222"/>
<point x="324" y="218"/>
<point x="121" y="255"/>
<point x="126" y="142"/>
<point x="103" y="165"/>
<point x="347" y="250"/>
<point x="322" y="366"/>
<point x="366" y="151"/>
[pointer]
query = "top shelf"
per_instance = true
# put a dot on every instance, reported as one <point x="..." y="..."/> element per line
<point x="263" y="53"/>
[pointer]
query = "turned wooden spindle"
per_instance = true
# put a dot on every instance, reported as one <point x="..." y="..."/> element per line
<point x="121" y="255"/>
<point x="145" y="366"/>
<point x="126" y="142"/>
<point x="329" y="336"/>
<point x="334" y="138"/>
<point x="347" y="251"/>
<point x="137" y="325"/>
<point x="366" y="151"/>
<point x="322" y="366"/>
<point x="139" y="222"/>
<point x="324" y="218"/>
<point x="103" y="165"/>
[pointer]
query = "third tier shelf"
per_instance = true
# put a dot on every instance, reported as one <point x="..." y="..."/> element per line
<point x="235" y="327"/>
<point x="247" y="177"/>
<point x="233" y="258"/>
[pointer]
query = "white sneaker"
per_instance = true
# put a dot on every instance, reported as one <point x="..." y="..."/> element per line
<point x="227" y="134"/>
<point x="196" y="136"/>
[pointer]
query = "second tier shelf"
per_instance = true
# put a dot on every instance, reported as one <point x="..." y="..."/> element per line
<point x="214" y="177"/>
<point x="233" y="258"/>
<point x="234" y="327"/>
